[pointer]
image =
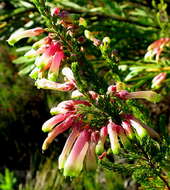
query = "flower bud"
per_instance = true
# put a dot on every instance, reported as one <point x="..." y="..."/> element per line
<point x="106" y="40"/>
<point x="111" y="89"/>
<point x="88" y="35"/>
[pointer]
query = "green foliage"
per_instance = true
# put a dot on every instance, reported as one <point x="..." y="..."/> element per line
<point x="48" y="177"/>
<point x="8" y="180"/>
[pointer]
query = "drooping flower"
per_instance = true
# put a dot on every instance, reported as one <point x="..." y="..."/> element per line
<point x="55" y="65"/>
<point x="123" y="137"/>
<point x="141" y="129"/>
<point x="128" y="130"/>
<point x="68" y="146"/>
<point x="49" y="124"/>
<point x="90" y="159"/>
<point x="113" y="136"/>
<point x="20" y="34"/>
<point x="74" y="162"/>
<point x="102" y="139"/>
<point x="46" y="57"/>
<point x="60" y="128"/>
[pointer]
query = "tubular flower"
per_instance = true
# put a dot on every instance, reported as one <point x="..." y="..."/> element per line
<point x="74" y="162"/>
<point x="123" y="137"/>
<point x="47" y="84"/>
<point x="20" y="34"/>
<point x="116" y="91"/>
<point x="68" y="106"/>
<point x="128" y="130"/>
<point x="90" y="160"/>
<point x="68" y="146"/>
<point x="113" y="136"/>
<point x="84" y="141"/>
<point x="156" y="48"/>
<point x="60" y="128"/>
<point x="148" y="95"/>
<point x="158" y="80"/>
<point x="49" y="124"/>
<point x="102" y="139"/>
<point x="140" y="128"/>
<point x="47" y="56"/>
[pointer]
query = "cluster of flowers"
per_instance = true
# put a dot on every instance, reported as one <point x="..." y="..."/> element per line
<point x="48" y="53"/>
<point x="154" y="51"/>
<point x="84" y="141"/>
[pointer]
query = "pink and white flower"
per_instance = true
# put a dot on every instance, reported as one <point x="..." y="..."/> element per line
<point x="75" y="160"/>
<point x="20" y="34"/>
